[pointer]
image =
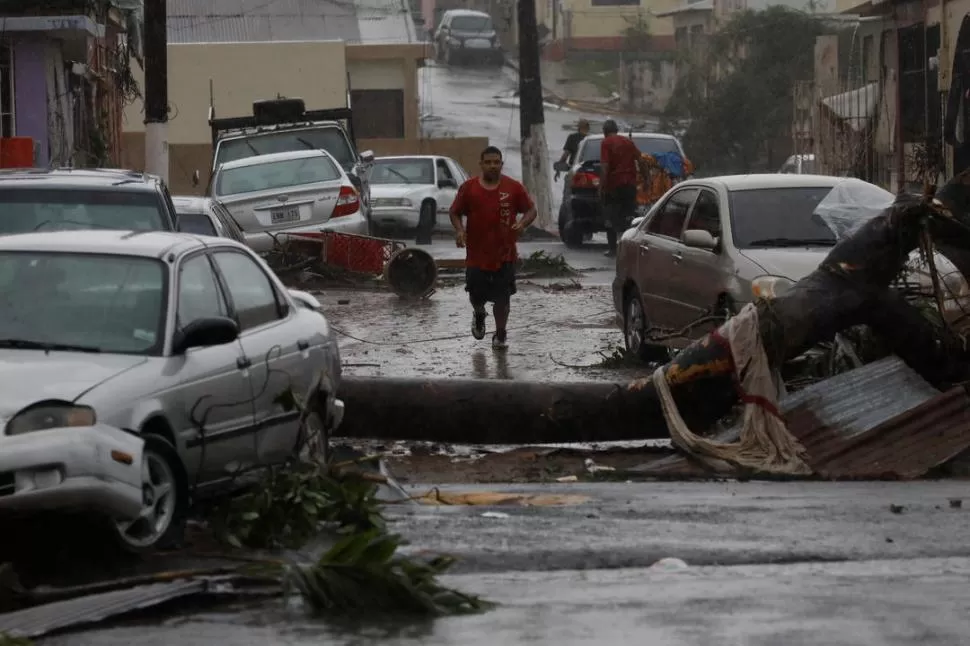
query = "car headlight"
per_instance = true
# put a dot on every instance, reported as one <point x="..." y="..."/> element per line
<point x="770" y="286"/>
<point x="48" y="416"/>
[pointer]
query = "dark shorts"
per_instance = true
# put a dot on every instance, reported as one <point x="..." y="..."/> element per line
<point x="490" y="286"/>
<point x="619" y="207"/>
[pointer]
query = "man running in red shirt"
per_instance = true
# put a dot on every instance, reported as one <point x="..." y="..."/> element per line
<point x="491" y="204"/>
<point x="620" y="162"/>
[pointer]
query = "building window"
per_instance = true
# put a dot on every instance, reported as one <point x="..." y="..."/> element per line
<point x="615" y="3"/>
<point x="7" y="123"/>
<point x="378" y="114"/>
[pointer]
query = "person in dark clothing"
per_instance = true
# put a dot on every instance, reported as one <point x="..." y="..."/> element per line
<point x="571" y="148"/>
<point x="620" y="167"/>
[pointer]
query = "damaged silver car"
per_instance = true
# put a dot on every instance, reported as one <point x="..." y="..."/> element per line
<point x="142" y="369"/>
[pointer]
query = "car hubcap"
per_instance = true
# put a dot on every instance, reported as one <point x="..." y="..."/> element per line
<point x="634" y="326"/>
<point x="158" y="503"/>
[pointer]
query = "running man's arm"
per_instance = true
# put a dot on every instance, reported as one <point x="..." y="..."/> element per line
<point x="527" y="207"/>
<point x="459" y="208"/>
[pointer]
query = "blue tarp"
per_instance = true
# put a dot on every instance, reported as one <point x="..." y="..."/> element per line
<point x="671" y="162"/>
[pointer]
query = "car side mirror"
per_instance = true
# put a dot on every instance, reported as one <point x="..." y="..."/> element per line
<point x="367" y="156"/>
<point x="560" y="167"/>
<point x="196" y="178"/>
<point x="636" y="222"/>
<point x="205" y="332"/>
<point x="699" y="239"/>
<point x="447" y="183"/>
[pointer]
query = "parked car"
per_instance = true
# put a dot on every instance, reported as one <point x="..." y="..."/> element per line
<point x="293" y="192"/>
<point x="465" y="35"/>
<point x="285" y="125"/>
<point x="716" y="244"/>
<point x="580" y="214"/>
<point x="40" y="199"/>
<point x="206" y="217"/>
<point x="183" y="341"/>
<point x="405" y="189"/>
<point x="799" y="165"/>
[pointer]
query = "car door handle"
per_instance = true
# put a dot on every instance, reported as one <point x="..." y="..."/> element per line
<point x="303" y="344"/>
<point x="677" y="256"/>
<point x="644" y="248"/>
<point x="243" y="362"/>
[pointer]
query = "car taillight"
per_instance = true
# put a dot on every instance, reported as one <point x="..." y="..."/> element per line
<point x="586" y="180"/>
<point x="348" y="202"/>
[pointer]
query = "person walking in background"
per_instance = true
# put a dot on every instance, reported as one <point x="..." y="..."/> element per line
<point x="571" y="148"/>
<point x="491" y="204"/>
<point x="620" y="167"/>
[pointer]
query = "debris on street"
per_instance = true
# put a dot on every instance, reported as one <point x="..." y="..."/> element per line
<point x="438" y="497"/>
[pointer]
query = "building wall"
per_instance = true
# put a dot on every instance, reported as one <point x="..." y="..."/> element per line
<point x="242" y="73"/>
<point x="30" y="82"/>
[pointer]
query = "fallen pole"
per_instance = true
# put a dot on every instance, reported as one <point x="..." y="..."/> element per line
<point x="481" y="411"/>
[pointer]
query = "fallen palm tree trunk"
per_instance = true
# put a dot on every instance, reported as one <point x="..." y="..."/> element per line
<point x="851" y="287"/>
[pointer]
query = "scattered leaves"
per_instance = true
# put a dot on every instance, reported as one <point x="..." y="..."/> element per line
<point x="619" y="357"/>
<point x="361" y="574"/>
<point x="291" y="504"/>
<point x="539" y="264"/>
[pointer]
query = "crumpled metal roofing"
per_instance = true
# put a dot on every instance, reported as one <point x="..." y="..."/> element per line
<point x="879" y="421"/>
<point x="50" y="617"/>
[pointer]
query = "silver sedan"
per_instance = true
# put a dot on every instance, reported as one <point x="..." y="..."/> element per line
<point x="185" y="342"/>
<point x="292" y="192"/>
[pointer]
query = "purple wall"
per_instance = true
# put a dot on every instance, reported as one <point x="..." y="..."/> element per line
<point x="30" y="87"/>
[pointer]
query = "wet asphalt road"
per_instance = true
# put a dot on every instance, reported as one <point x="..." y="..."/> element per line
<point x="866" y="576"/>
<point x="466" y="102"/>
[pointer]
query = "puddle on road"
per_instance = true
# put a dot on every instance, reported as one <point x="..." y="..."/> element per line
<point x="554" y="335"/>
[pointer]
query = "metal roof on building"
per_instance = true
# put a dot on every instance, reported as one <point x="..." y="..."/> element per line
<point x="231" y="21"/>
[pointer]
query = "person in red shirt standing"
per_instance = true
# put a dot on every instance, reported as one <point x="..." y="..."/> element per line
<point x="620" y="163"/>
<point x="491" y="204"/>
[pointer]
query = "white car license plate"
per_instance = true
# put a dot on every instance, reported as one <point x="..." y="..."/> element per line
<point x="281" y="216"/>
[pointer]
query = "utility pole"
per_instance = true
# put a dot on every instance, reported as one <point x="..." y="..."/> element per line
<point x="156" y="88"/>
<point x="532" y="130"/>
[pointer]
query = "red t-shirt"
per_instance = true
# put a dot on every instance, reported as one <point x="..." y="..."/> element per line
<point x="621" y="154"/>
<point x="490" y="214"/>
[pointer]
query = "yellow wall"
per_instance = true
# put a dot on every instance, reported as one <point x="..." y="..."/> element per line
<point x="242" y="73"/>
<point x="377" y="75"/>
<point x="598" y="22"/>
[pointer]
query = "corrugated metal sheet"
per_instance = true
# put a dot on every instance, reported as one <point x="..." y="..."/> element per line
<point x="228" y="21"/>
<point x="41" y="620"/>
<point x="906" y="446"/>
<point x="856" y="401"/>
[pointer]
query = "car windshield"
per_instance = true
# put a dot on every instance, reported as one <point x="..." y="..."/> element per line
<point x="84" y="302"/>
<point x="196" y="223"/>
<point x="779" y="217"/>
<point x="471" y="23"/>
<point x="649" y="145"/>
<point x="23" y="210"/>
<point x="328" y="138"/>
<point x="402" y="171"/>
<point x="275" y="175"/>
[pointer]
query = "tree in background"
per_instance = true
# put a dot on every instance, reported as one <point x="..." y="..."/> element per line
<point x="734" y="93"/>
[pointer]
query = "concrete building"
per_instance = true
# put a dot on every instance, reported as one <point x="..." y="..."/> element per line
<point x="61" y="83"/>
<point x="237" y="51"/>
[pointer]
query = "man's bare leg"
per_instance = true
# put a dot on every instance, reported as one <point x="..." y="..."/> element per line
<point x="501" y="313"/>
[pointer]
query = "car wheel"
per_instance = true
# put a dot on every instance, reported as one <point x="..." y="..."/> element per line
<point x="426" y="220"/>
<point x="164" y="500"/>
<point x="635" y="331"/>
<point x="569" y="233"/>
